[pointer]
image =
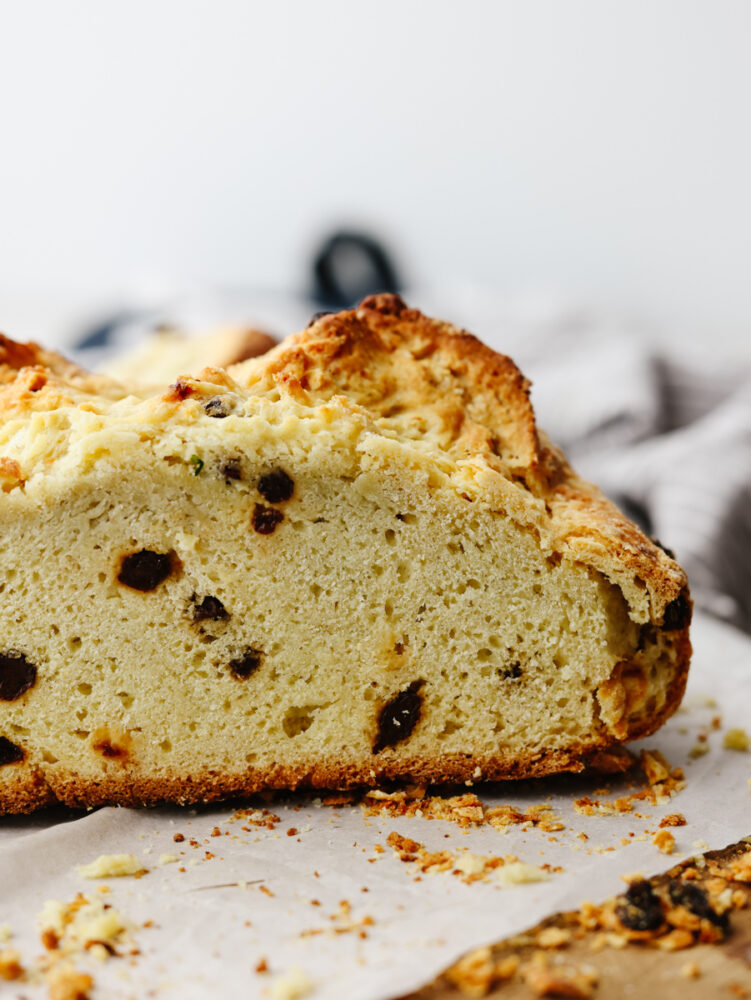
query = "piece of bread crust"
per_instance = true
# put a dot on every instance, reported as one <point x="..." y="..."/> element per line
<point x="154" y="364"/>
<point x="29" y="368"/>
<point x="380" y="401"/>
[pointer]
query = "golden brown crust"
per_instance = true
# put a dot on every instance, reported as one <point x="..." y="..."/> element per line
<point x="34" y="378"/>
<point x="15" y="356"/>
<point x="392" y="360"/>
<point x="24" y="790"/>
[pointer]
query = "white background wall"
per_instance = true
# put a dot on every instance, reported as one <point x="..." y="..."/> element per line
<point x="601" y="147"/>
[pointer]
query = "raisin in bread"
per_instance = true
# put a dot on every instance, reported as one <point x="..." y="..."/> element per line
<point x="353" y="559"/>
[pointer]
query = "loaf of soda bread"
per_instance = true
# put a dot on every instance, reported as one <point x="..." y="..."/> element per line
<point x="353" y="559"/>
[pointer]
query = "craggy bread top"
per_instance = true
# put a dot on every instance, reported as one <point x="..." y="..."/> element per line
<point x="398" y="375"/>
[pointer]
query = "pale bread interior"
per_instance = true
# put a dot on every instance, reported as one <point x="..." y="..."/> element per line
<point x="375" y="581"/>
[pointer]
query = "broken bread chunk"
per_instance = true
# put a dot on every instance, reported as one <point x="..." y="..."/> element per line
<point x="353" y="559"/>
<point x="153" y="365"/>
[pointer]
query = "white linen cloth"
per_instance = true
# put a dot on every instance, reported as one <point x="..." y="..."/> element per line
<point x="672" y="445"/>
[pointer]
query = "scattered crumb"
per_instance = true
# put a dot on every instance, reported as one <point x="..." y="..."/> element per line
<point x="478" y="972"/>
<point x="464" y="864"/>
<point x="67" y="984"/>
<point x="655" y="767"/>
<point x="673" y="819"/>
<point x="262" y="966"/>
<point x="168" y="859"/>
<point x="5" y="933"/>
<point x="465" y="810"/>
<point x="560" y="981"/>
<point x="71" y="928"/>
<point x="470" y="864"/>
<point x="663" y="780"/>
<point x="292" y="985"/>
<point x="259" y="818"/>
<point x="698" y="750"/>
<point x="664" y="841"/>
<point x="10" y="964"/>
<point x="112" y="866"/>
<point x="178" y="838"/>
<point x="736" y="739"/>
<point x="518" y="873"/>
<point x="553" y="937"/>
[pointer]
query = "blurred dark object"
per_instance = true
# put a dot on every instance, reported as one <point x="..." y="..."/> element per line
<point x="346" y="267"/>
<point x="102" y="331"/>
<point x="349" y="266"/>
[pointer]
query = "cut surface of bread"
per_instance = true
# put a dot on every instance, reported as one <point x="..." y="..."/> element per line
<point x="350" y="560"/>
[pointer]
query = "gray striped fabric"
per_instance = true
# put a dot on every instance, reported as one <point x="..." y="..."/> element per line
<point x="671" y="444"/>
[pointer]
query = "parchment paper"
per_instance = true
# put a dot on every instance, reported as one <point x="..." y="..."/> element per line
<point x="204" y="942"/>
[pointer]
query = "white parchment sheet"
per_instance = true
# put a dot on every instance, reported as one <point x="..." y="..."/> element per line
<point x="205" y="942"/>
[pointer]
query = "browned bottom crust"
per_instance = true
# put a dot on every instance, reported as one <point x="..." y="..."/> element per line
<point x="126" y="789"/>
<point x="24" y="788"/>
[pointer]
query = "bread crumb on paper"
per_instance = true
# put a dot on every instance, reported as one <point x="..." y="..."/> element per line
<point x="663" y="782"/>
<point x="673" y="819"/>
<point x="68" y="928"/>
<point x="291" y="985"/>
<point x="519" y="873"/>
<point x="664" y="841"/>
<point x="470" y="864"/>
<point x="112" y="866"/>
<point x="65" y="983"/>
<point x="736" y="739"/>
<point x="465" y="810"/>
<point x="10" y="964"/>
<point x="655" y="767"/>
